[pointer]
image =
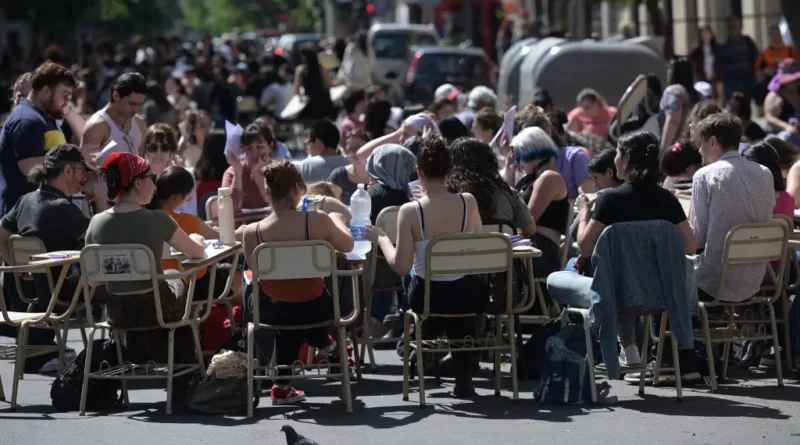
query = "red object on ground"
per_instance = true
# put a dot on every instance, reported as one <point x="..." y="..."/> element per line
<point x="217" y="327"/>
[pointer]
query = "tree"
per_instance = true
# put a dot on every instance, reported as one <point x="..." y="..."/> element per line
<point x="221" y="16"/>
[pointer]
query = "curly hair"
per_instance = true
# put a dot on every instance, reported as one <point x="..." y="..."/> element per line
<point x="475" y="171"/>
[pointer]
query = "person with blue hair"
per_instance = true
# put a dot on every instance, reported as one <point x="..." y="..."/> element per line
<point x="545" y="191"/>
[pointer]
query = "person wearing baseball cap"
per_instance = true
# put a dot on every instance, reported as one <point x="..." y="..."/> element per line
<point x="782" y="104"/>
<point x="48" y="214"/>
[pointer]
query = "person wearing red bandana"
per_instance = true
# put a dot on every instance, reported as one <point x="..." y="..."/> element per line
<point x="131" y="304"/>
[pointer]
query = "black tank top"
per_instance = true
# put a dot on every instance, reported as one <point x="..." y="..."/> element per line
<point x="555" y="215"/>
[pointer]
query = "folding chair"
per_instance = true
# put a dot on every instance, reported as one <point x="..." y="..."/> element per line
<point x="754" y="243"/>
<point x="462" y="254"/>
<point x="21" y="351"/>
<point x="292" y="260"/>
<point x="141" y="266"/>
<point x="387" y="221"/>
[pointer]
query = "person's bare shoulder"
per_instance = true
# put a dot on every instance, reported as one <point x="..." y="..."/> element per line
<point x="96" y="130"/>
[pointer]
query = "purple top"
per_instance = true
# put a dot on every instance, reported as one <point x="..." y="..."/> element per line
<point x="573" y="164"/>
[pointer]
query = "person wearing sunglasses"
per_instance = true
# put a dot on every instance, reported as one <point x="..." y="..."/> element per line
<point x="159" y="148"/>
<point x="130" y="304"/>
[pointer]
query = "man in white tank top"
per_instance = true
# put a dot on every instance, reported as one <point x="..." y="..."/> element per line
<point x="118" y="120"/>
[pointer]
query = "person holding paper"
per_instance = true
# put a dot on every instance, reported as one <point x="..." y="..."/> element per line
<point x="118" y="120"/>
<point x="244" y="177"/>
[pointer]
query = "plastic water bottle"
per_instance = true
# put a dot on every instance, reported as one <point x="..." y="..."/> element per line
<point x="360" y="207"/>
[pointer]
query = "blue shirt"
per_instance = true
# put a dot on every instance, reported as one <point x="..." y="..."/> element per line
<point x="27" y="133"/>
<point x="735" y="59"/>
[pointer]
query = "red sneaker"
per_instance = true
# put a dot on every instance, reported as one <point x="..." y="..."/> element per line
<point x="286" y="395"/>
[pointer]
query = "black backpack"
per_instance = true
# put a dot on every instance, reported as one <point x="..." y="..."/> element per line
<point x="102" y="395"/>
<point x="531" y="358"/>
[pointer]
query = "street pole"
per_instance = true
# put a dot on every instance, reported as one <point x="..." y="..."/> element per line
<point x="466" y="9"/>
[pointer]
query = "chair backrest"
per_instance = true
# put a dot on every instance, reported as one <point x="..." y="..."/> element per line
<point x="466" y="254"/>
<point x="756" y="243"/>
<point x="633" y="96"/>
<point x="294" y="260"/>
<point x="118" y="262"/>
<point x="387" y="220"/>
<point x="211" y="208"/>
<point x="23" y="247"/>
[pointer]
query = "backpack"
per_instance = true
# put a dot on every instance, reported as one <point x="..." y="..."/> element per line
<point x="565" y="373"/>
<point x="532" y="353"/>
<point x="102" y="395"/>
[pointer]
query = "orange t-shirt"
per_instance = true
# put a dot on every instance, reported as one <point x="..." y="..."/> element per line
<point x="771" y="57"/>
<point x="189" y="224"/>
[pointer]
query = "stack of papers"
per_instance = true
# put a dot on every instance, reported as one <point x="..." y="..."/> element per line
<point x="519" y="240"/>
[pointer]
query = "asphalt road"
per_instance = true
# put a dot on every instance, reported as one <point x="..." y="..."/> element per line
<point x="751" y="411"/>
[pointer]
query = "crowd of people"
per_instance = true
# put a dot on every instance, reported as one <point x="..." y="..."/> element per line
<point x="154" y="149"/>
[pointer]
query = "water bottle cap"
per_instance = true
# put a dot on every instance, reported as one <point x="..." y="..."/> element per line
<point x="224" y="191"/>
<point x="361" y="186"/>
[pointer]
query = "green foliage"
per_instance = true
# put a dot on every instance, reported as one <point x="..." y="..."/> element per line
<point x="220" y="16"/>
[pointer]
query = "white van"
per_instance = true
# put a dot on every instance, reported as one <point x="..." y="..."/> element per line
<point x="389" y="45"/>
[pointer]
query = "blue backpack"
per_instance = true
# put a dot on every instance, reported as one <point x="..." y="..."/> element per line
<point x="565" y="374"/>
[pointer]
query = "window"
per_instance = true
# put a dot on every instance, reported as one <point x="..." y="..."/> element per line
<point x="390" y="45"/>
<point x="453" y="65"/>
<point x="394" y="45"/>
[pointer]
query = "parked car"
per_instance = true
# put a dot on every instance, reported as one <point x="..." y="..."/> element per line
<point x="289" y="46"/>
<point x="432" y="66"/>
<point x="388" y="49"/>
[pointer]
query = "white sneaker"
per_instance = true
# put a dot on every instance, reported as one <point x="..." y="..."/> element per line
<point x="629" y="356"/>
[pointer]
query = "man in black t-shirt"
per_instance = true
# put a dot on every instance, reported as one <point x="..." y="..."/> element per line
<point x="48" y="214"/>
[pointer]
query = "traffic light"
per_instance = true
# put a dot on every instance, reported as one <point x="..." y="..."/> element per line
<point x="370" y="8"/>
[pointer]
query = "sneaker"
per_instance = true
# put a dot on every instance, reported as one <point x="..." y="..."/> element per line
<point x="286" y="395"/>
<point x="629" y="356"/>
<point x="687" y="378"/>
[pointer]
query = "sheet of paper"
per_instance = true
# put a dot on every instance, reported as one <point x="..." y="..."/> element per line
<point x="415" y="187"/>
<point x="103" y="154"/>
<point x="507" y="127"/>
<point x="233" y="138"/>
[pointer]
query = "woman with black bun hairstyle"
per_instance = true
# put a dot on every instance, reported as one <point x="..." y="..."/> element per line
<point x="438" y="212"/>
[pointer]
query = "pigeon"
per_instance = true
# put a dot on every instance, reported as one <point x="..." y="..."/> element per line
<point x="292" y="438"/>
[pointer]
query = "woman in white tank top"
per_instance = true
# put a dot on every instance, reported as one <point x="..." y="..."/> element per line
<point x="438" y="212"/>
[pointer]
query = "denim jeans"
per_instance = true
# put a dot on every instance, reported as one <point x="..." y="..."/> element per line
<point x="575" y="290"/>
